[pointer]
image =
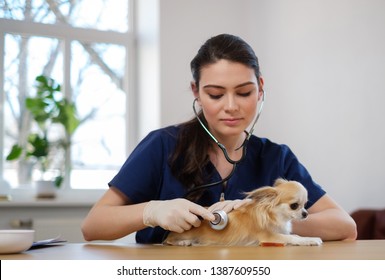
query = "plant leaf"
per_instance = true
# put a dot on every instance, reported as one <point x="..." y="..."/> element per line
<point x="40" y="146"/>
<point x="58" y="181"/>
<point x="15" y="152"/>
<point x="67" y="116"/>
<point x="46" y="84"/>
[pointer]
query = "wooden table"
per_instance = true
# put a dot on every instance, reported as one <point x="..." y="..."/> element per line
<point x="338" y="250"/>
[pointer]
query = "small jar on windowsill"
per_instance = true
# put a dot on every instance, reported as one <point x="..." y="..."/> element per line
<point x="45" y="189"/>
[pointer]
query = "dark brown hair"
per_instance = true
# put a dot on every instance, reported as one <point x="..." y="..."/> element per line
<point x="191" y="154"/>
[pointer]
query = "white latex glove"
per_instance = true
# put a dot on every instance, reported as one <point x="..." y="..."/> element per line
<point x="229" y="205"/>
<point x="175" y="215"/>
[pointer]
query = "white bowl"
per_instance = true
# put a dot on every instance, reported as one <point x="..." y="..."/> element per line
<point x="15" y="240"/>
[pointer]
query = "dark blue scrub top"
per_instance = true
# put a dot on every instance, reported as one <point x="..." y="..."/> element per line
<point x="146" y="174"/>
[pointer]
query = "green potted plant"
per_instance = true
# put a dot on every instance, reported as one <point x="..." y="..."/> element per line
<point x="54" y="122"/>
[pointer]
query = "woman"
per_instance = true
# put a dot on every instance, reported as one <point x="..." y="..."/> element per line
<point x="159" y="187"/>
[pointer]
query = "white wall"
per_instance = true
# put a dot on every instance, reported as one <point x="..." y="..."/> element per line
<point x="324" y="65"/>
<point x="324" y="68"/>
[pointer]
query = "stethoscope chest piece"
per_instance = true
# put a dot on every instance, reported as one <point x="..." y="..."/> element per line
<point x="220" y="221"/>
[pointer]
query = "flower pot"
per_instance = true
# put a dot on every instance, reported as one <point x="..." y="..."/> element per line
<point x="45" y="189"/>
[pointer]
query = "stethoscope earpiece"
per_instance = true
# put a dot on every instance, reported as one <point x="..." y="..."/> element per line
<point x="221" y="220"/>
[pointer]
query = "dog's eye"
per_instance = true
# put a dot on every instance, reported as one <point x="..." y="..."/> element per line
<point x="294" y="206"/>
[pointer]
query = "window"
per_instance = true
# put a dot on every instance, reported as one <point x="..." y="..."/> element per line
<point x="87" y="47"/>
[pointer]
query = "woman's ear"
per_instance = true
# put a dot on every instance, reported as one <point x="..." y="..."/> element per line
<point x="194" y="89"/>
<point x="260" y="87"/>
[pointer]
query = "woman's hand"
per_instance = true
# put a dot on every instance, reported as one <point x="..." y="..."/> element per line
<point x="229" y="205"/>
<point x="175" y="215"/>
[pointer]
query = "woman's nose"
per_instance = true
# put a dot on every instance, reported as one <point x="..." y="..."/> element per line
<point x="231" y="103"/>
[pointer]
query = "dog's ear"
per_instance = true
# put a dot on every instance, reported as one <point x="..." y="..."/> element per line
<point x="264" y="194"/>
<point x="279" y="181"/>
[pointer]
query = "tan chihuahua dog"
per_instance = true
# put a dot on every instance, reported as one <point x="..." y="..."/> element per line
<point x="266" y="219"/>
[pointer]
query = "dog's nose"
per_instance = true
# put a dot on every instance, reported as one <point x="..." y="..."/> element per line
<point x="304" y="214"/>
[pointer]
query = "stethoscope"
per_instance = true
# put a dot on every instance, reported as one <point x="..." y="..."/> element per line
<point x="221" y="218"/>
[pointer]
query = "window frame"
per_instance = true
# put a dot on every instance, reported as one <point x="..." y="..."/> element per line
<point x="67" y="34"/>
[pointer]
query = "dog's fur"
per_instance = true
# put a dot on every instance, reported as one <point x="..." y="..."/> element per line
<point x="266" y="218"/>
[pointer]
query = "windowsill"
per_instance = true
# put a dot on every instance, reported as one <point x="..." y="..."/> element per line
<point x="64" y="198"/>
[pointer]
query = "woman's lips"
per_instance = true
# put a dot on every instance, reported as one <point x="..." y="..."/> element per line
<point x="231" y="121"/>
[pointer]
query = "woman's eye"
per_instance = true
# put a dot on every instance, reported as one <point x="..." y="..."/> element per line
<point x="215" y="96"/>
<point x="244" y="94"/>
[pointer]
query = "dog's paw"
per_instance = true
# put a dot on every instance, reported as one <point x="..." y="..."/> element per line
<point x="315" y="241"/>
<point x="309" y="241"/>
<point x="180" y="242"/>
